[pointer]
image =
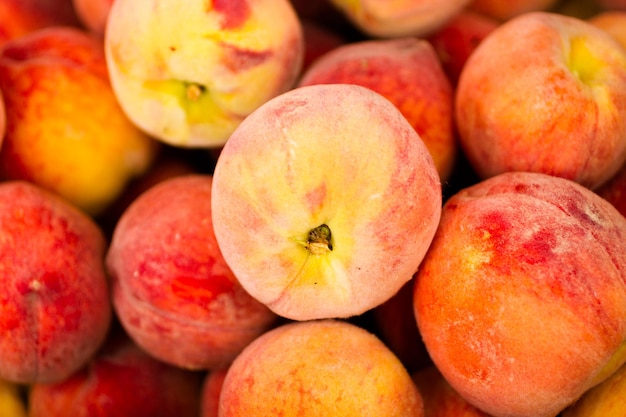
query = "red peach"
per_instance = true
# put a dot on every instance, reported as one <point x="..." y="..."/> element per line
<point x="55" y="300"/>
<point x="211" y="390"/>
<point x="171" y="283"/>
<point x="507" y="9"/>
<point x="521" y="299"/>
<point x="318" y="368"/>
<point x="457" y="39"/>
<point x="122" y="381"/>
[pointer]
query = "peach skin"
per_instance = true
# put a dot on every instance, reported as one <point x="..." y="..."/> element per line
<point x="318" y="368"/>
<point x="325" y="200"/>
<point x="521" y="299"/>
<point x="189" y="75"/>
<point x="545" y="93"/>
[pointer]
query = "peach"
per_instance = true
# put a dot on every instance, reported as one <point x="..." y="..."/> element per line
<point x="324" y="201"/>
<point x="170" y="282"/>
<point x="503" y="10"/>
<point x="613" y="22"/>
<point x="407" y="72"/>
<point x="211" y="390"/>
<point x="398" y="18"/>
<point x="121" y="381"/>
<point x="607" y="399"/>
<point x="545" y="93"/>
<point x="65" y="129"/>
<point x="440" y="399"/>
<point x="318" y="368"/>
<point x="189" y="75"/>
<point x="93" y="14"/>
<point x="521" y="299"/>
<point x="55" y="303"/>
<point x="20" y="17"/>
<point x="457" y="39"/>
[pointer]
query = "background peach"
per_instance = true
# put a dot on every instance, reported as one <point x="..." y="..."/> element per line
<point x="171" y="283"/>
<point x="318" y="368"/>
<point x="516" y="315"/>
<point x="55" y="304"/>
<point x="93" y="14"/>
<point x="507" y="9"/>
<point x="545" y="93"/>
<point x="407" y="72"/>
<point x="121" y="380"/>
<point x="65" y="129"/>
<point x="613" y="22"/>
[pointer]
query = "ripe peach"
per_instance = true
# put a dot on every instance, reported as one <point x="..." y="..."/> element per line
<point x="318" y="368"/>
<point x="545" y="93"/>
<point x="407" y="72"/>
<point x="521" y="300"/>
<point x="55" y="303"/>
<point x="440" y="399"/>
<point x="457" y="39"/>
<point x="385" y="19"/>
<point x="189" y="75"/>
<point x="122" y="381"/>
<point x="325" y="200"/>
<point x="170" y="282"/>
<point x="65" y="129"/>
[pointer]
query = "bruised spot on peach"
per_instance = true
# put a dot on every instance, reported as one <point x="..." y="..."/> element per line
<point x="234" y="12"/>
<point x="241" y="59"/>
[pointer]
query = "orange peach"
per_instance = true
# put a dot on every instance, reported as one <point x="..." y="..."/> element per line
<point x="318" y="368"/>
<point x="65" y="129"/>
<point x="54" y="307"/>
<point x="399" y="18"/>
<point x="325" y="200"/>
<point x="189" y="75"/>
<point x="172" y="290"/>
<point x="457" y="39"/>
<point x="440" y="399"/>
<point x="121" y="381"/>
<point x="545" y="93"/>
<point x="407" y="72"/>
<point x="521" y="299"/>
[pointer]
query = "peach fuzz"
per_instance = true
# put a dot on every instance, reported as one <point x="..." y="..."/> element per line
<point x="65" y="129"/>
<point x="170" y="282"/>
<point x="318" y="368"/>
<point x="407" y="72"/>
<point x="343" y="213"/>
<point x="440" y="399"/>
<point x="55" y="301"/>
<point x="613" y="22"/>
<point x="189" y="75"/>
<point x="521" y="299"/>
<point x="545" y="93"/>
<point x="121" y="380"/>
<point x="399" y="18"/>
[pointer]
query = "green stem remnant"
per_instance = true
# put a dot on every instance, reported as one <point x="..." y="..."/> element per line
<point x="318" y="241"/>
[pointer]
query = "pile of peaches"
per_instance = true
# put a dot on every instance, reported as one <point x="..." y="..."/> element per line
<point x="251" y="208"/>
